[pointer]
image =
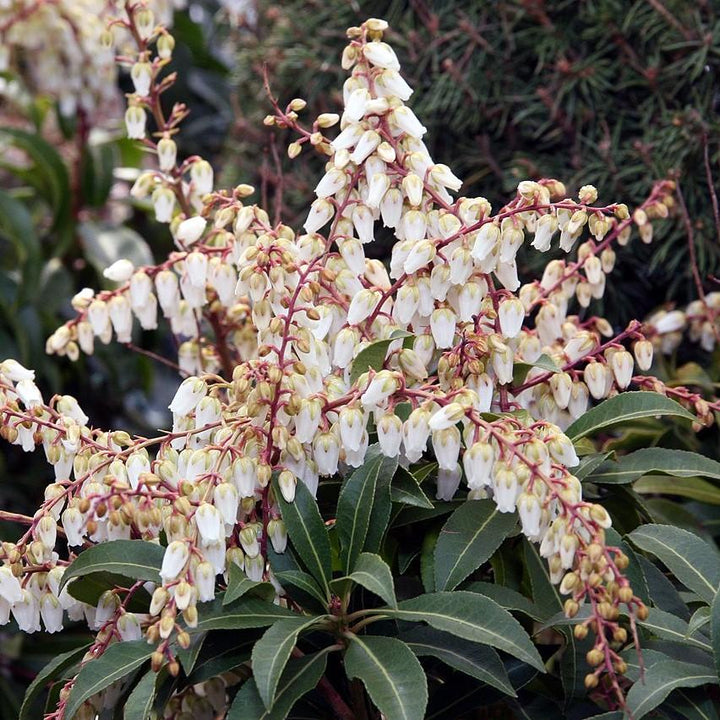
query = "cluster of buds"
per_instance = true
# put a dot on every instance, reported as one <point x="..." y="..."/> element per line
<point x="271" y="326"/>
<point x="63" y="48"/>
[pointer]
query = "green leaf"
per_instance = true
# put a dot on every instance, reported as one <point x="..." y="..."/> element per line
<point x="507" y="598"/>
<point x="360" y="498"/>
<point x="589" y="464"/>
<point x="308" y="534"/>
<point x="303" y="582"/>
<point x="114" y="664"/>
<point x="103" y="245"/>
<point x="373" y="573"/>
<point x="89" y="588"/>
<point x="300" y="676"/>
<point x="660" y="680"/>
<point x="406" y="490"/>
<point x="139" y="704"/>
<point x="693" y="488"/>
<point x="51" y="671"/>
<point x="391" y="674"/>
<point x="478" y="661"/>
<point x="248" y="612"/>
<point x="272" y="652"/>
<point x="17" y="226"/>
<point x="678" y="463"/>
<point x="693" y="562"/>
<point x="692" y="705"/>
<point x="49" y="175"/>
<point x="373" y="356"/>
<point x="222" y="651"/>
<point x="136" y="559"/>
<point x="715" y="630"/>
<point x="699" y="619"/>
<point x="239" y="584"/>
<point x="468" y="539"/>
<point x="623" y="407"/>
<point x="472" y="617"/>
<point x="669" y="627"/>
<point x="521" y="369"/>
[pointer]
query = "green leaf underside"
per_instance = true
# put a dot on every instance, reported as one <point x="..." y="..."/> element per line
<point x="472" y="617"/>
<point x="114" y="664"/>
<point x="660" y="680"/>
<point x="272" y="652"/>
<point x="50" y="672"/>
<point x="134" y="559"/>
<point x="468" y="539"/>
<point x="670" y="627"/>
<point x="373" y="573"/>
<point x="391" y="674"/>
<point x="248" y="612"/>
<point x="624" y="407"/>
<point x="308" y="534"/>
<point x="678" y="463"/>
<point x="688" y="557"/>
<point x="300" y="676"/>
<point x="473" y="659"/>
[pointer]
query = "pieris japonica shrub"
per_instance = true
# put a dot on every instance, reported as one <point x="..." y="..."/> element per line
<point x="279" y="544"/>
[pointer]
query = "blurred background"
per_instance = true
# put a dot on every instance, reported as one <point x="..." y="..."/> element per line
<point x="613" y="93"/>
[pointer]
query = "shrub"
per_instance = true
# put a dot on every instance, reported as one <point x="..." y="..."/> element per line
<point x="302" y="359"/>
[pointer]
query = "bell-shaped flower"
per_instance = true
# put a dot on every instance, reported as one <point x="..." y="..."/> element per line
<point x="188" y="395"/>
<point x="448" y="481"/>
<point x="326" y="449"/>
<point x="209" y="523"/>
<point x="190" y="231"/>
<point x="174" y="560"/>
<point x="478" y="462"/>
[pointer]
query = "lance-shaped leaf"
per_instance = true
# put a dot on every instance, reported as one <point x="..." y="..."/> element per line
<point x="300" y="676"/>
<point x="140" y="701"/>
<point x="307" y="533"/>
<point x="473" y="659"/>
<point x="50" y="672"/>
<point x="391" y="674"/>
<point x="272" y="652"/>
<point x="221" y="652"/>
<point x="364" y="497"/>
<point x="248" y="612"/>
<point x="660" y="680"/>
<point x="669" y="627"/>
<point x="406" y="490"/>
<point x="299" y="580"/>
<point x="373" y="573"/>
<point x="715" y="630"/>
<point x="136" y="559"/>
<point x="678" y="463"/>
<point x="468" y="538"/>
<point x="372" y="357"/>
<point x="623" y="407"/>
<point x="240" y="584"/>
<point x="472" y="617"/>
<point x="693" y="562"/>
<point x="114" y="664"/>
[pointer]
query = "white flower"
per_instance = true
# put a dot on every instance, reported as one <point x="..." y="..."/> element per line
<point x="121" y="317"/>
<point x="326" y="449"/>
<point x="447" y="417"/>
<point x="128" y="625"/>
<point x="201" y="174"/>
<point x="321" y="211"/>
<point x="174" y="560"/>
<point x="205" y="581"/>
<point x="352" y="425"/>
<point x="362" y="306"/>
<point x="448" y="481"/>
<point x="333" y="181"/>
<point x="421" y="254"/>
<point x="446" y="443"/>
<point x="389" y="431"/>
<point x="196" y="264"/>
<point x="135" y="122"/>
<point x="51" y="612"/>
<point x="367" y="143"/>
<point x="72" y="522"/>
<point x="225" y="499"/>
<point x="28" y="393"/>
<point x="378" y="186"/>
<point x="442" y="325"/>
<point x="244" y="476"/>
<point x="190" y="231"/>
<point x="406" y="121"/>
<point x="511" y="314"/>
<point x="381" y="55"/>
<point x="188" y="395"/>
<point x="163" y="200"/>
<point x="505" y="489"/>
<point x="15" y="372"/>
<point x="389" y="83"/>
<point x="141" y="74"/>
<point x="26" y="612"/>
<point x="478" y="462"/>
<point x="563" y="451"/>
<point x="278" y="535"/>
<point x="621" y="363"/>
<point x="10" y="588"/>
<point x="530" y="512"/>
<point x="485" y="240"/>
<point x="249" y="541"/>
<point x="167" y="153"/>
<point x="381" y="387"/>
<point x="669" y="322"/>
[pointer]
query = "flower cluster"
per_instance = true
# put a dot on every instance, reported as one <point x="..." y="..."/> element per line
<point x="276" y="329"/>
<point x="64" y="49"/>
